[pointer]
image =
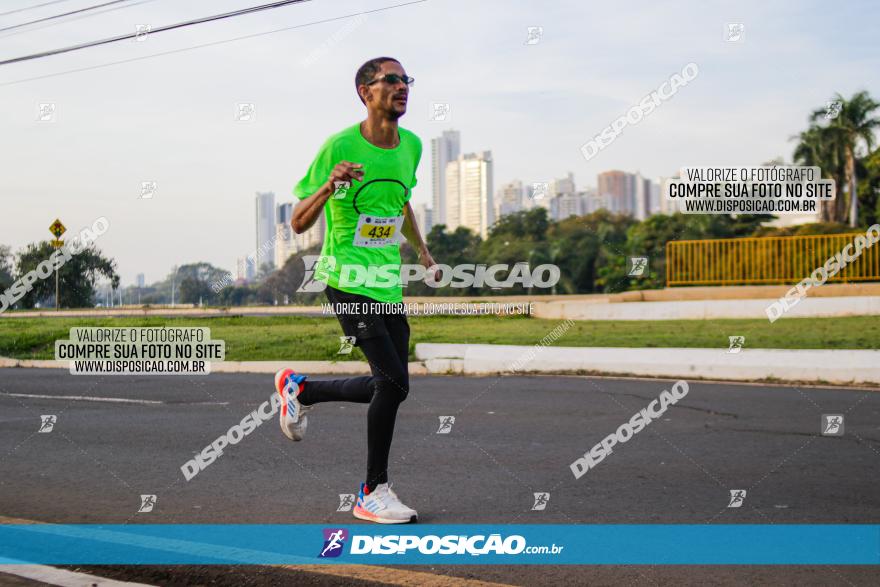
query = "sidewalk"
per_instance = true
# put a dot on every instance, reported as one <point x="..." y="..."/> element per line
<point x="839" y="367"/>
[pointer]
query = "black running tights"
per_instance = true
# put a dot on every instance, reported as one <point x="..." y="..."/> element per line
<point x="384" y="391"/>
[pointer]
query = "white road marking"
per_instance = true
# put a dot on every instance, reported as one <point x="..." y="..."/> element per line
<point x="119" y="400"/>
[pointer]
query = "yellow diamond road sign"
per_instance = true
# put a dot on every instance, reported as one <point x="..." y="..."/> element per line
<point x="57" y="228"/>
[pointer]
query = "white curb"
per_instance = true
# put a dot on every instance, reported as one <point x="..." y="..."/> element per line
<point x="308" y="367"/>
<point x="810" y="307"/>
<point x="831" y="366"/>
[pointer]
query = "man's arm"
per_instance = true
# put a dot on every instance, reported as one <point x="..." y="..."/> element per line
<point x="414" y="236"/>
<point x="307" y="210"/>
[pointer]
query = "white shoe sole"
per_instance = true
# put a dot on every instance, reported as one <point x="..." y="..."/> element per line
<point x="287" y="432"/>
<point x="379" y="520"/>
<point x="281" y="416"/>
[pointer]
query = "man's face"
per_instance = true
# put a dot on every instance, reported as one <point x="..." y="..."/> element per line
<point x="388" y="100"/>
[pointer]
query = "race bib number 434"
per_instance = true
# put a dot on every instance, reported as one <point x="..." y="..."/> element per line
<point x="377" y="231"/>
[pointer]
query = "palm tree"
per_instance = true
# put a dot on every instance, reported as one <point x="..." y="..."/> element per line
<point x="852" y="128"/>
<point x="819" y="146"/>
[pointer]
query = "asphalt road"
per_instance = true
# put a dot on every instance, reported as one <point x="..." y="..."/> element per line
<point x="512" y="437"/>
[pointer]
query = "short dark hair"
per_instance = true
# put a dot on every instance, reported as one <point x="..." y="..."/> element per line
<point x="368" y="71"/>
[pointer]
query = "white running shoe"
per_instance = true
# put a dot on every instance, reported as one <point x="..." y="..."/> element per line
<point x="293" y="414"/>
<point x="383" y="506"/>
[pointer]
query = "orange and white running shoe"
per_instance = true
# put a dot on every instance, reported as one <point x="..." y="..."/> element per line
<point x="293" y="414"/>
<point x="383" y="506"/>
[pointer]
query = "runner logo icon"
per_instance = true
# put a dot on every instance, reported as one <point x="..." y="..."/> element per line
<point x="638" y="266"/>
<point x="737" y="497"/>
<point x="347" y="344"/>
<point x="541" y="500"/>
<point x="446" y="423"/>
<point x="340" y="189"/>
<point x="832" y="424"/>
<point x="346" y="501"/>
<point x="148" y="502"/>
<point x="736" y="344"/>
<point x="47" y="423"/>
<point x="334" y="542"/>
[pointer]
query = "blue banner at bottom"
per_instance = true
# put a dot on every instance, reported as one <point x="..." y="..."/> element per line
<point x="472" y="544"/>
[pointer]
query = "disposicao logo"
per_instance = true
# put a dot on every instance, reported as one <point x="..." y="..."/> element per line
<point x="334" y="542"/>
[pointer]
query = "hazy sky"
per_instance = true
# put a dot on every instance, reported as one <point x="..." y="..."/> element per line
<point x="170" y="118"/>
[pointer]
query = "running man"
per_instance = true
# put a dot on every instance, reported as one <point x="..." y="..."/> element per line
<point x="362" y="179"/>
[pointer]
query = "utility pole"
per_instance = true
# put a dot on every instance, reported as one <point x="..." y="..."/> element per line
<point x="57" y="229"/>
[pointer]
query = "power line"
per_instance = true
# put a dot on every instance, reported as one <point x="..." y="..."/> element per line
<point x="161" y="29"/>
<point x="79" y="17"/>
<point x="62" y="15"/>
<point x="222" y="42"/>
<point x="32" y="7"/>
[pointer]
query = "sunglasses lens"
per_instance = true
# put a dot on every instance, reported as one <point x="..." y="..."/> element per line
<point x="393" y="78"/>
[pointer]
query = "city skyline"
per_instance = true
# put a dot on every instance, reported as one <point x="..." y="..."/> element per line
<point x="463" y="192"/>
<point x="172" y="119"/>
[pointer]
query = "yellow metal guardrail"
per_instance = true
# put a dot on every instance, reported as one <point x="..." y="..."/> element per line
<point x="764" y="260"/>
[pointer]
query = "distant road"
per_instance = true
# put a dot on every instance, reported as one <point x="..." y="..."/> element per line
<point x="584" y="306"/>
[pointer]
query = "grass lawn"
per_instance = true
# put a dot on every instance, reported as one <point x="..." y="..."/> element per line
<point x="255" y="338"/>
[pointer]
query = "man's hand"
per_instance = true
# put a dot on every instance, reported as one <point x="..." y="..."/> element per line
<point x="428" y="262"/>
<point x="307" y="210"/>
<point x="345" y="171"/>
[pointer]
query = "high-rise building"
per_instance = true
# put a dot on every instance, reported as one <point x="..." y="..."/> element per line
<point x="284" y="243"/>
<point x="642" y="197"/>
<point x="561" y="200"/>
<point x="141" y="280"/>
<point x="620" y="187"/>
<point x="569" y="204"/>
<point x="424" y="218"/>
<point x="595" y="202"/>
<point x="444" y="149"/>
<point x="654" y="195"/>
<point x="240" y="269"/>
<point x="284" y="213"/>
<point x="531" y="198"/>
<point x="627" y="193"/>
<point x="647" y="197"/>
<point x="509" y="198"/>
<point x="667" y="206"/>
<point x="562" y="186"/>
<point x="469" y="193"/>
<point x="264" y="253"/>
<point x="541" y="195"/>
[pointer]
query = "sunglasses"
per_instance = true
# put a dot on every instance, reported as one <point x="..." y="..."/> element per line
<point x="393" y="78"/>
